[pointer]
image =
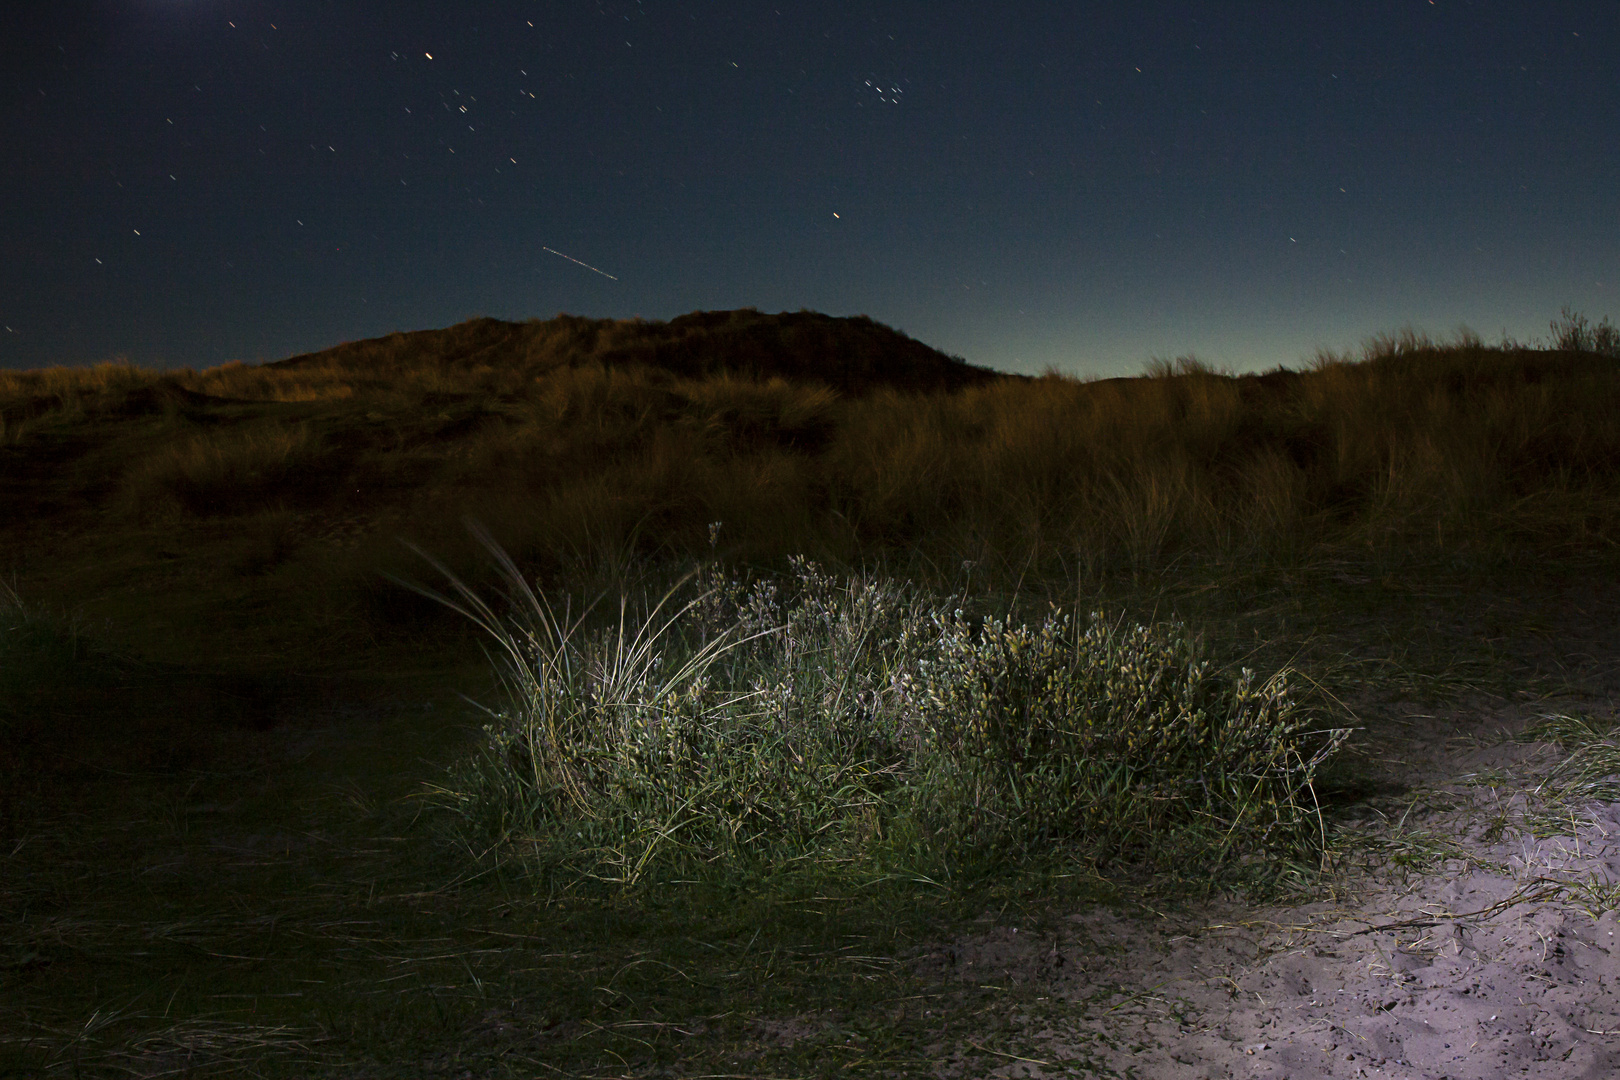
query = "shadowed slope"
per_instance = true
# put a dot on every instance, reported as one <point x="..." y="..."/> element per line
<point x="852" y="355"/>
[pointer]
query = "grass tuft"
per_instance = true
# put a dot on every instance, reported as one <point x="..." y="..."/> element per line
<point x="1590" y="769"/>
<point x="863" y="726"/>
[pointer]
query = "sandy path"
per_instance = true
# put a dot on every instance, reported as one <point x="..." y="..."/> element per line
<point x="1502" y="960"/>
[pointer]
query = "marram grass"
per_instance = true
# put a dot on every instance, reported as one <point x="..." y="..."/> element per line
<point x="861" y="726"/>
<point x="1590" y="769"/>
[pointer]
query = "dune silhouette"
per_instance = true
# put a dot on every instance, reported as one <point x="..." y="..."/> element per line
<point x="853" y="355"/>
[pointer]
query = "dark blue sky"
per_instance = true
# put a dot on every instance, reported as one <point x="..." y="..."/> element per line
<point x="1024" y="184"/>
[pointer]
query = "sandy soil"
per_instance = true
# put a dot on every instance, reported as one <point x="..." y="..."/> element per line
<point x="1499" y="958"/>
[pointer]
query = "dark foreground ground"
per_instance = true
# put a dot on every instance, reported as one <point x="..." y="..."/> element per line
<point x="231" y="876"/>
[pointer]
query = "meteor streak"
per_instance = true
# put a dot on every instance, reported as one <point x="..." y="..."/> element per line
<point x="586" y="265"/>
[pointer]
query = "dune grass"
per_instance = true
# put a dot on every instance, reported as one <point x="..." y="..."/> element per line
<point x="571" y="441"/>
<point x="861" y="727"/>
<point x="1589" y="771"/>
<point x="244" y="513"/>
<point x="847" y="770"/>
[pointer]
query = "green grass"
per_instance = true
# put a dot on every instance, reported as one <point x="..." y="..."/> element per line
<point x="1589" y="771"/>
<point x="860" y="728"/>
<point x="280" y="909"/>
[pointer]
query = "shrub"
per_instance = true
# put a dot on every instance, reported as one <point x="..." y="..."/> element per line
<point x="855" y="724"/>
<point x="1123" y="738"/>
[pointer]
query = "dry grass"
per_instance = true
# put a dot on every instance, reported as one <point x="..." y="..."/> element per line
<point x="589" y="445"/>
<point x="581" y="436"/>
<point x="203" y="474"/>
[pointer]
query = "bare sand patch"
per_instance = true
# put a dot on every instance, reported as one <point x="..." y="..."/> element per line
<point x="1476" y="936"/>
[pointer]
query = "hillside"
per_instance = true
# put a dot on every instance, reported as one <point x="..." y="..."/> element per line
<point x="852" y="355"/>
<point x="188" y="505"/>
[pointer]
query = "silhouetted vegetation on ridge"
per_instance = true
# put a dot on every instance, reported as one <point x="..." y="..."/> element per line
<point x="853" y="355"/>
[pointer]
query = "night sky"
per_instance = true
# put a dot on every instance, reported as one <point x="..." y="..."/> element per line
<point x="1024" y="184"/>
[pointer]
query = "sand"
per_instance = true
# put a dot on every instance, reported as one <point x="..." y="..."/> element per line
<point x="1502" y="960"/>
